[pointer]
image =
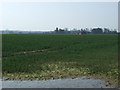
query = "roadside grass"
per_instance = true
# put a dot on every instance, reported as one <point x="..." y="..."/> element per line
<point x="66" y="56"/>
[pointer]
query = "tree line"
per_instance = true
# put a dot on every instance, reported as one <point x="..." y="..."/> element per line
<point x="85" y="31"/>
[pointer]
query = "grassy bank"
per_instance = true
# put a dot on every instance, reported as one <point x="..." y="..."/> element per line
<point x="59" y="56"/>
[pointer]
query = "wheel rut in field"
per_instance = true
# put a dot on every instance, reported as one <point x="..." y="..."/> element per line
<point x="33" y="51"/>
<point x="29" y="52"/>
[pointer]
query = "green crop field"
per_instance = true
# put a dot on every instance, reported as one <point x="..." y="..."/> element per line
<point x="29" y="56"/>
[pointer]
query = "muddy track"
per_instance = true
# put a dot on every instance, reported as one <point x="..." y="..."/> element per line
<point x="82" y="82"/>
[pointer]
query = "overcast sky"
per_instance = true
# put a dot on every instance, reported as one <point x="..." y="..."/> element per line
<point x="48" y="15"/>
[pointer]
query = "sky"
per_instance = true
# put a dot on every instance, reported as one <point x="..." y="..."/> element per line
<point x="49" y="15"/>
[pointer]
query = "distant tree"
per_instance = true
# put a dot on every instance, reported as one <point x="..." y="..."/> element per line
<point x="97" y="30"/>
<point x="61" y="30"/>
<point x="74" y="29"/>
<point x="83" y="31"/>
<point x="86" y="29"/>
<point x="56" y="30"/>
<point x="106" y="30"/>
<point x="66" y="29"/>
<point x="113" y="32"/>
